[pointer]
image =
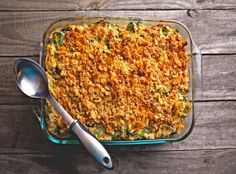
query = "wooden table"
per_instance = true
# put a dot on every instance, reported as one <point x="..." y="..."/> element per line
<point x="211" y="148"/>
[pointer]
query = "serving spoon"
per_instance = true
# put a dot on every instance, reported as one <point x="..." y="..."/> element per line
<point x="31" y="79"/>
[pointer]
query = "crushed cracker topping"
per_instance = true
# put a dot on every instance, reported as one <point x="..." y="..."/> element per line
<point x="122" y="82"/>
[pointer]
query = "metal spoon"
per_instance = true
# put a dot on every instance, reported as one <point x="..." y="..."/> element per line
<point x="31" y="79"/>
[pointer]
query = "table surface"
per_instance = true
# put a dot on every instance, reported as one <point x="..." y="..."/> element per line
<point x="211" y="148"/>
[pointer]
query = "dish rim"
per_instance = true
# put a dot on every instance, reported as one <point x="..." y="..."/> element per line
<point x="41" y="115"/>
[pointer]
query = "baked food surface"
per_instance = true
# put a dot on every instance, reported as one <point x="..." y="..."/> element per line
<point x="122" y="82"/>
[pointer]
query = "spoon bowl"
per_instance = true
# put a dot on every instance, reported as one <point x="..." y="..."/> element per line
<point x="31" y="78"/>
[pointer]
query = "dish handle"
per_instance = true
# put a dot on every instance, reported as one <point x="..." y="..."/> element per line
<point x="198" y="80"/>
<point x="37" y="103"/>
<point x="36" y="108"/>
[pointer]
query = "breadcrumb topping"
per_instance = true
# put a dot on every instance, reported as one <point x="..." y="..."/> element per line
<point x="122" y="82"/>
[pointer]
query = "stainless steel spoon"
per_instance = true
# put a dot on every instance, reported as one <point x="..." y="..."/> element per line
<point x="31" y="79"/>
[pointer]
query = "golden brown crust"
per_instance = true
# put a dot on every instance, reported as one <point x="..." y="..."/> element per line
<point x="122" y="82"/>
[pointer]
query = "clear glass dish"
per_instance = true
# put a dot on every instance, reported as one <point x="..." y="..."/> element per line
<point x="195" y="84"/>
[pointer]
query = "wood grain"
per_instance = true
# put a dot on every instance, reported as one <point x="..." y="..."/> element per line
<point x="219" y="77"/>
<point x="115" y="5"/>
<point x="215" y="129"/>
<point x="178" y="162"/>
<point x="213" y="30"/>
<point x="9" y="91"/>
<point x="219" y="82"/>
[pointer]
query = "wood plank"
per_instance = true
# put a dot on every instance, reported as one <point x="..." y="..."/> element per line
<point x="178" y="162"/>
<point x="213" y="30"/>
<point x="219" y="77"/>
<point x="215" y="129"/>
<point x="9" y="91"/>
<point x="114" y="5"/>
<point x="220" y="67"/>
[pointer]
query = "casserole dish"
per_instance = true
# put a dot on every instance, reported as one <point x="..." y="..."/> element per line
<point x="195" y="83"/>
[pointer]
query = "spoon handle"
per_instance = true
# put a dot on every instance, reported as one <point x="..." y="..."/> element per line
<point x="64" y="114"/>
<point x="93" y="146"/>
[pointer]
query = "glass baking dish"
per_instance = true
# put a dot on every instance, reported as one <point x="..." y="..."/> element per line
<point x="195" y="85"/>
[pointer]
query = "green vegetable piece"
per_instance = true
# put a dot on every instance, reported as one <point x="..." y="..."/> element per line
<point x="58" y="70"/>
<point x="64" y="30"/>
<point x="176" y="31"/>
<point x="184" y="99"/>
<point x="185" y="110"/>
<point x="96" y="134"/>
<point x="165" y="30"/>
<point x="139" y="23"/>
<point x="144" y="132"/>
<point x="119" y="33"/>
<point x="108" y="25"/>
<point x="130" y="27"/>
<point x="58" y="39"/>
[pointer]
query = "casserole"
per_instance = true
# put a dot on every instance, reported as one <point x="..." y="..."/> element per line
<point x="194" y="77"/>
